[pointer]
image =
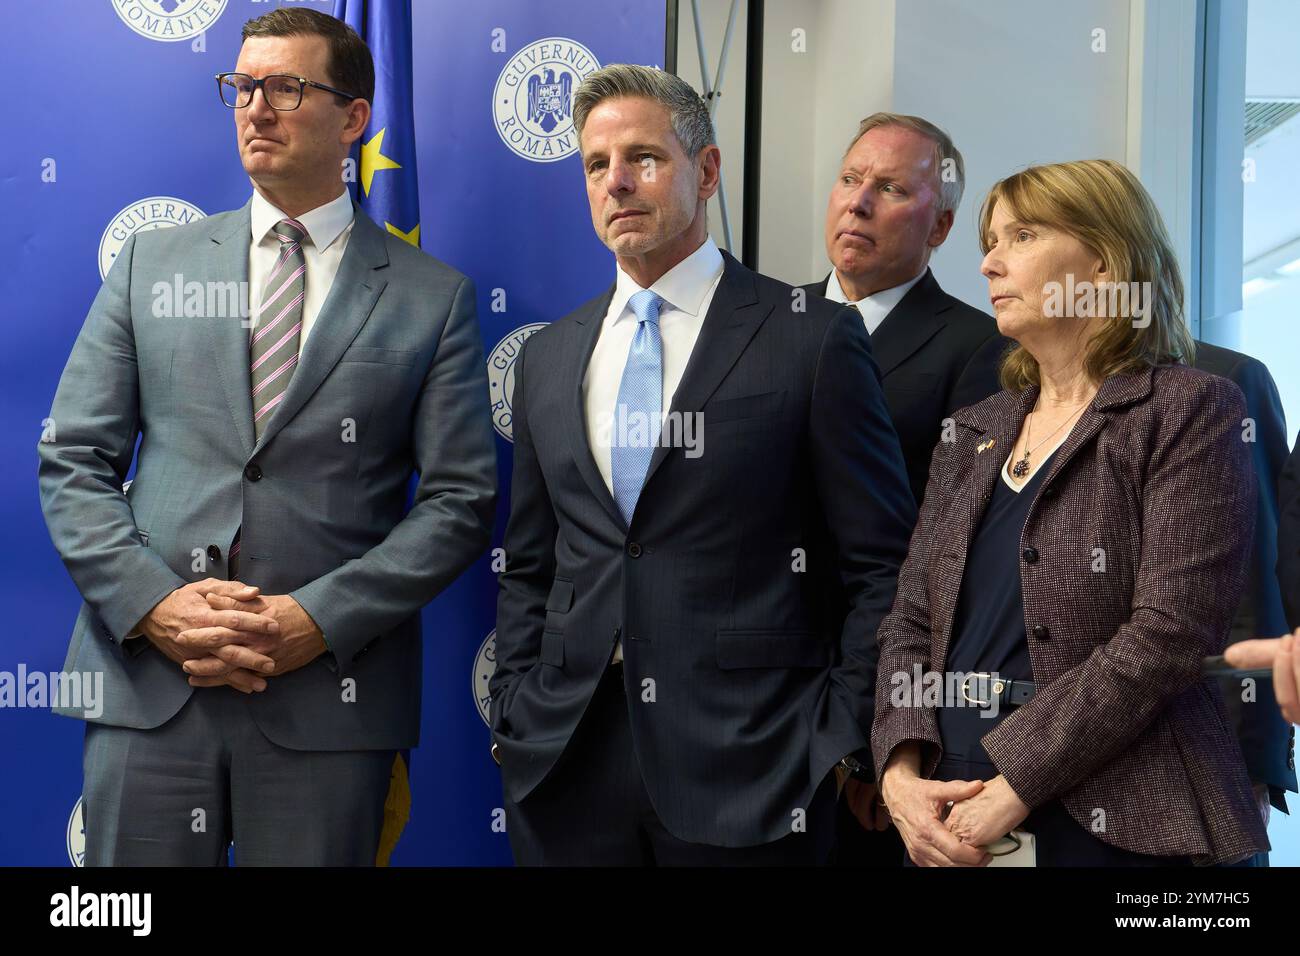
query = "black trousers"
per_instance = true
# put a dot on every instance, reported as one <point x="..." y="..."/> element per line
<point x="856" y="846"/>
<point x="593" y="808"/>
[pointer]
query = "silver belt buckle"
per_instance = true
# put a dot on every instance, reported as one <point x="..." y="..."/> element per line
<point x="998" y="686"/>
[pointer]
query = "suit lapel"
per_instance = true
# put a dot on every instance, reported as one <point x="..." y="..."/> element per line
<point x="734" y="315"/>
<point x="227" y="338"/>
<point x="916" y="319"/>
<point x="588" y="323"/>
<point x="351" y="298"/>
<point x="1115" y="392"/>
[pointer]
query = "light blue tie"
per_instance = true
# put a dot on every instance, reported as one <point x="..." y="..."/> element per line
<point x="640" y="403"/>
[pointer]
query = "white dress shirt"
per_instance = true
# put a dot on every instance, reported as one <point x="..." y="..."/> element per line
<point x="687" y="290"/>
<point x="874" y="308"/>
<point x="328" y="228"/>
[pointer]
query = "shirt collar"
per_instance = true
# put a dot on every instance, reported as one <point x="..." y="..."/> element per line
<point x="884" y="300"/>
<point x="324" y="224"/>
<point x="683" y="287"/>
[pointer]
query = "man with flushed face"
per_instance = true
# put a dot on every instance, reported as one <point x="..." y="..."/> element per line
<point x="253" y="600"/>
<point x="669" y="688"/>
<point x="897" y="190"/>
<point x="885" y="215"/>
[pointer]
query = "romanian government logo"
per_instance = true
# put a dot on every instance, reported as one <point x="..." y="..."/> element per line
<point x="156" y="212"/>
<point x="501" y="377"/>
<point x="485" y="665"/>
<point x="533" y="99"/>
<point x="169" y="20"/>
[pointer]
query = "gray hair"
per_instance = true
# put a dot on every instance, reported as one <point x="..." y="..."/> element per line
<point x="686" y="110"/>
<point x="947" y="155"/>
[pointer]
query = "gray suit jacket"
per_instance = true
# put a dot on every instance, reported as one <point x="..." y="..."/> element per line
<point x="391" y="381"/>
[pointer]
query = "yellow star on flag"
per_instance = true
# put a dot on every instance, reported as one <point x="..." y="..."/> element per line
<point x="413" y="237"/>
<point x="373" y="160"/>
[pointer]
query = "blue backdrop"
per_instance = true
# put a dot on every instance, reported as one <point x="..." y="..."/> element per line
<point x="115" y="126"/>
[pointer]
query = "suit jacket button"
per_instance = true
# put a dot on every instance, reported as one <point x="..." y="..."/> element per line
<point x="634" y="550"/>
<point x="214" y="553"/>
<point x="1041" y="632"/>
<point x="1030" y="555"/>
<point x="253" y="473"/>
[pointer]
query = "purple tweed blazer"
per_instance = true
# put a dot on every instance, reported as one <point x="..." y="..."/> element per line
<point x="1122" y="730"/>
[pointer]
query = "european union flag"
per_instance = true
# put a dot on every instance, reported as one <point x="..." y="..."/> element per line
<point x="386" y="177"/>
<point x="388" y="191"/>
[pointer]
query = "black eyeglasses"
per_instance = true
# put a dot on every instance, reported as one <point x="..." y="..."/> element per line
<point x="282" y="91"/>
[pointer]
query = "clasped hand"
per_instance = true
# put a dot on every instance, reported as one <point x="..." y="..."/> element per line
<point x="981" y="812"/>
<point x="227" y="632"/>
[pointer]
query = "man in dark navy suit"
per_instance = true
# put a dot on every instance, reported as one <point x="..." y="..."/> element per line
<point x="1267" y="739"/>
<point x="670" y="687"/>
<point x="893" y="203"/>
<point x="1288" y="536"/>
<point x="1281" y="653"/>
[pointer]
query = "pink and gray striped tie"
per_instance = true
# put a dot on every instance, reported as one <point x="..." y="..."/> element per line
<point x="278" y="330"/>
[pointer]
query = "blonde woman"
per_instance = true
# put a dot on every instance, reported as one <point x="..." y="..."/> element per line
<point x="1081" y="548"/>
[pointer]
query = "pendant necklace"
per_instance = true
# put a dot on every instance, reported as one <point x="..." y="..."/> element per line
<point x="1021" y="467"/>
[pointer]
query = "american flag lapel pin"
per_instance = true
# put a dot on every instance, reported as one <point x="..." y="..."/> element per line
<point x="984" y="446"/>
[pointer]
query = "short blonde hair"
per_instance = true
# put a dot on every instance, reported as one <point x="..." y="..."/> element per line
<point x="1103" y="205"/>
<point x="946" y="154"/>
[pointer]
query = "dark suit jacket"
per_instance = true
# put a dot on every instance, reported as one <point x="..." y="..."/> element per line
<point x="1267" y="739"/>
<point x="936" y="354"/>
<point x="757" y="689"/>
<point x="1288" y="537"/>
<point x="1153" y="474"/>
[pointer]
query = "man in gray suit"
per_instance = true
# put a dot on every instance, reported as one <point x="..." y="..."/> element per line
<point x="265" y="547"/>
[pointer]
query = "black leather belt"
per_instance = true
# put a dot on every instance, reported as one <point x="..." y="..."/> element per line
<point x="982" y="689"/>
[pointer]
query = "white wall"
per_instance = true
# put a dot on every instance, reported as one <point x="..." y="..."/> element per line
<point x="1014" y="83"/>
<point x="812" y="103"/>
<point x="818" y="83"/>
<point x="788" y="135"/>
<point x="729" y="114"/>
